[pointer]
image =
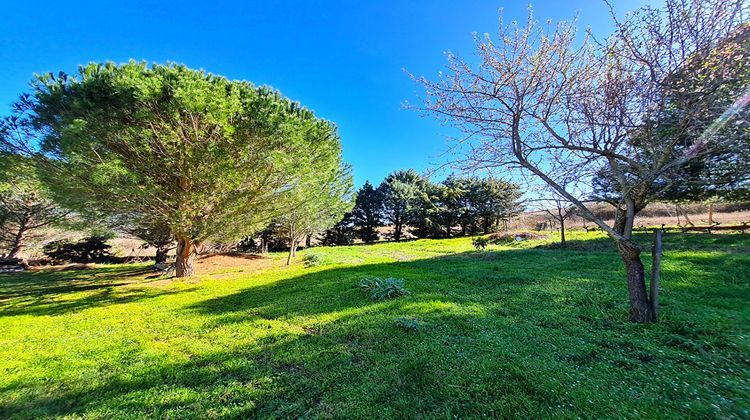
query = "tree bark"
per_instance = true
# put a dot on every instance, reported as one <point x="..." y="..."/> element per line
<point x="161" y="254"/>
<point x="562" y="231"/>
<point x="18" y="242"/>
<point x="185" y="257"/>
<point x="640" y="307"/>
<point x="292" y="252"/>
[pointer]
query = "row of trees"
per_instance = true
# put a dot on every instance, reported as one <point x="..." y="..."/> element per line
<point x="173" y="154"/>
<point x="406" y="200"/>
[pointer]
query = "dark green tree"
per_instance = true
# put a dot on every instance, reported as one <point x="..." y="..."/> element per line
<point x="25" y="204"/>
<point x="207" y="156"/>
<point x="366" y="215"/>
<point x="342" y="233"/>
<point x="399" y="191"/>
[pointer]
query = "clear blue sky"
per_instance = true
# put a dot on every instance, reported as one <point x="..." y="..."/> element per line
<point x="342" y="59"/>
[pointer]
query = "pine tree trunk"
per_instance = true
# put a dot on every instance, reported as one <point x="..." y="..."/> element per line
<point x="640" y="307"/>
<point x="18" y="241"/>
<point x="184" y="266"/>
<point x="161" y="255"/>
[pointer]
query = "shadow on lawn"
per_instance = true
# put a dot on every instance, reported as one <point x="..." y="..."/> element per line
<point x="43" y="292"/>
<point x="500" y="334"/>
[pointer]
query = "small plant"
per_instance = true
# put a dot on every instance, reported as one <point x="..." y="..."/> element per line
<point x="313" y="260"/>
<point x="409" y="324"/>
<point x="480" y="243"/>
<point x="382" y="289"/>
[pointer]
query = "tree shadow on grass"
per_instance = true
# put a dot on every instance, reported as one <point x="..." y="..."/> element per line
<point x="48" y="292"/>
<point x="501" y="330"/>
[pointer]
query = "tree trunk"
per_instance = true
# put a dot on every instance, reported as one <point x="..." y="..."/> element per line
<point x="185" y="257"/>
<point x="18" y="241"/>
<point x="562" y="225"/>
<point x="292" y="252"/>
<point x="161" y="254"/>
<point x="397" y="232"/>
<point x="711" y="214"/>
<point x="656" y="252"/>
<point x="640" y="307"/>
<point x="308" y="241"/>
<point x="562" y="231"/>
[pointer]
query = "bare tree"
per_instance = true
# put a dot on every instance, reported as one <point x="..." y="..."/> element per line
<point x="548" y="102"/>
<point x="561" y="212"/>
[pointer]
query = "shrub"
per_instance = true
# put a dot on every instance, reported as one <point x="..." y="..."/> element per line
<point x="508" y="237"/>
<point x="87" y="250"/>
<point x="313" y="260"/>
<point x="382" y="289"/>
<point x="409" y="324"/>
<point x="480" y="243"/>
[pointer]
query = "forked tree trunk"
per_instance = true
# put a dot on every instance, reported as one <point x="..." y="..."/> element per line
<point x="292" y="252"/>
<point x="640" y="306"/>
<point x="183" y="266"/>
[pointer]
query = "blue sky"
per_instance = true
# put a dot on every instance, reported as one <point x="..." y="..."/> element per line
<point x="342" y="59"/>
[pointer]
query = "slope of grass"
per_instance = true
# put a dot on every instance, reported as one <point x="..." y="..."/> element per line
<point x="519" y="330"/>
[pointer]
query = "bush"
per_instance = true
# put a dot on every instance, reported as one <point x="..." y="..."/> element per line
<point x="313" y="260"/>
<point x="87" y="250"/>
<point x="382" y="289"/>
<point x="480" y="243"/>
<point x="409" y="324"/>
<point x="508" y="237"/>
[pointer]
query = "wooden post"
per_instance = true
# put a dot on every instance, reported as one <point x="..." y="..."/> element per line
<point x="711" y="214"/>
<point x="656" y="252"/>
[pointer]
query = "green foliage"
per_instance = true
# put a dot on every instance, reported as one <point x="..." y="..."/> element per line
<point x="480" y="243"/>
<point x="25" y="204"/>
<point x="366" y="215"/>
<point x="382" y="289"/>
<point x="210" y="158"/>
<point x="342" y="233"/>
<point x="88" y="250"/>
<point x="409" y="324"/>
<point x="398" y="193"/>
<point x="313" y="260"/>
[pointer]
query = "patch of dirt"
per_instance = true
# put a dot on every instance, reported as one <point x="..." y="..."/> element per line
<point x="232" y="262"/>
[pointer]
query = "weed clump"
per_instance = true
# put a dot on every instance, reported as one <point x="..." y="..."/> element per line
<point x="480" y="243"/>
<point x="382" y="289"/>
<point x="409" y="324"/>
<point x="313" y="260"/>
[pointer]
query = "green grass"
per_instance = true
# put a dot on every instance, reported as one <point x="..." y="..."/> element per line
<point x="527" y="330"/>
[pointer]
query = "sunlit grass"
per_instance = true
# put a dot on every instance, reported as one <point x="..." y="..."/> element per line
<point x="521" y="329"/>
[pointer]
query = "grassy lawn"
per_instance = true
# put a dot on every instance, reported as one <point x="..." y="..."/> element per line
<point x="528" y="330"/>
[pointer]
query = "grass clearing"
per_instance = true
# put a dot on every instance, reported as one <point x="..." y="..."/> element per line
<point x="523" y="330"/>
